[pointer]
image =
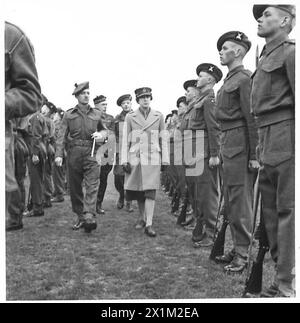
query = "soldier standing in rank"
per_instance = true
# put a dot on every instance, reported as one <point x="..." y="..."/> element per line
<point x="125" y="103"/>
<point x="48" y="109"/>
<point x="180" y="169"/>
<point x="273" y="105"/>
<point x="144" y="149"/>
<point x="22" y="97"/>
<point x="108" y="122"/>
<point x="238" y="147"/>
<point x="59" y="173"/>
<point x="79" y="126"/>
<point x="200" y="117"/>
<point x="38" y="131"/>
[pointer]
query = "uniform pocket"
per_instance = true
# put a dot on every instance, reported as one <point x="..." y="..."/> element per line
<point x="230" y="152"/>
<point x="278" y="143"/>
<point x="272" y="78"/>
<point x="231" y="95"/>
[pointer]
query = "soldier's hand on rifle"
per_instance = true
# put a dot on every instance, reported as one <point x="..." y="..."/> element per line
<point x="100" y="136"/>
<point x="35" y="159"/>
<point x="253" y="164"/>
<point x="58" y="161"/>
<point x="214" y="162"/>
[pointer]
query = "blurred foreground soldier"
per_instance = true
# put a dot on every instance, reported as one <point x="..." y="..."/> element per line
<point x="48" y="109"/>
<point x="143" y="151"/>
<point x="59" y="173"/>
<point x="80" y="126"/>
<point x="273" y="105"/>
<point x="238" y="148"/>
<point x="106" y="163"/>
<point x="22" y="97"/>
<point x="125" y="103"/>
<point x="200" y="119"/>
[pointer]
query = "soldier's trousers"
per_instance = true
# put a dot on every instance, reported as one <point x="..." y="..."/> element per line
<point x="277" y="186"/>
<point x="203" y="190"/>
<point x="181" y="185"/>
<point x="16" y="200"/>
<point x="238" y="187"/>
<point x="48" y="184"/>
<point x="104" y="172"/>
<point x="83" y="168"/>
<point x="36" y="174"/>
<point x="119" y="185"/>
<point x="59" y="179"/>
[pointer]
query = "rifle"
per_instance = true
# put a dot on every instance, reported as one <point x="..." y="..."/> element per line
<point x="182" y="217"/>
<point x="219" y="236"/>
<point x="253" y="284"/>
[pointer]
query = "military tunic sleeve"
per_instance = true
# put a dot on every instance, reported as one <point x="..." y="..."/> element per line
<point x="61" y="138"/>
<point x="245" y="90"/>
<point x="24" y="95"/>
<point x="213" y="129"/>
<point x="290" y="69"/>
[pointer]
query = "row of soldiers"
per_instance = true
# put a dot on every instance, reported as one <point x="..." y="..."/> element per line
<point x="248" y="138"/>
<point x="250" y="111"/>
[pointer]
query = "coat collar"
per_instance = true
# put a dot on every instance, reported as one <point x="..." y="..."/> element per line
<point x="275" y="43"/>
<point x="76" y="108"/>
<point x="140" y="119"/>
<point x="234" y="71"/>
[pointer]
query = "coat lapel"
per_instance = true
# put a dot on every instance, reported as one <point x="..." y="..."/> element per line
<point x="152" y="118"/>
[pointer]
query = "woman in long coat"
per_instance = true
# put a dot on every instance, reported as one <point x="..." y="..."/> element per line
<point x="144" y="150"/>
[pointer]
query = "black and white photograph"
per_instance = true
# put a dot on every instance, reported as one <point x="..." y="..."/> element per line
<point x="149" y="153"/>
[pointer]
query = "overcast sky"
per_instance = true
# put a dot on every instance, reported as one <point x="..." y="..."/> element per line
<point x="121" y="45"/>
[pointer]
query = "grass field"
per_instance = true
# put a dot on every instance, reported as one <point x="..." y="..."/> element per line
<point x="47" y="260"/>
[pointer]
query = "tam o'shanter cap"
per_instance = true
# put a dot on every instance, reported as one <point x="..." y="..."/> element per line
<point x="181" y="99"/>
<point x="123" y="98"/>
<point x="189" y="83"/>
<point x="80" y="87"/>
<point x="210" y="69"/>
<point x="237" y="37"/>
<point x="99" y="99"/>
<point x="259" y="9"/>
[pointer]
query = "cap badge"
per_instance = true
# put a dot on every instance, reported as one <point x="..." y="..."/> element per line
<point x="211" y="69"/>
<point x="239" y="36"/>
<point x="144" y="90"/>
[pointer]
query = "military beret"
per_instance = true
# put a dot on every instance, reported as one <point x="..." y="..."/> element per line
<point x="181" y="99"/>
<point x="60" y="111"/>
<point x="167" y="117"/>
<point x="259" y="9"/>
<point x="123" y="98"/>
<point x="210" y="69"/>
<point x="237" y="37"/>
<point x="51" y="106"/>
<point x="80" y="87"/>
<point x="143" y="91"/>
<point x="99" y="99"/>
<point x="190" y="83"/>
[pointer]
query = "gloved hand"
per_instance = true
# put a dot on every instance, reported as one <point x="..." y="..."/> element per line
<point x="58" y="161"/>
<point x="127" y="168"/>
